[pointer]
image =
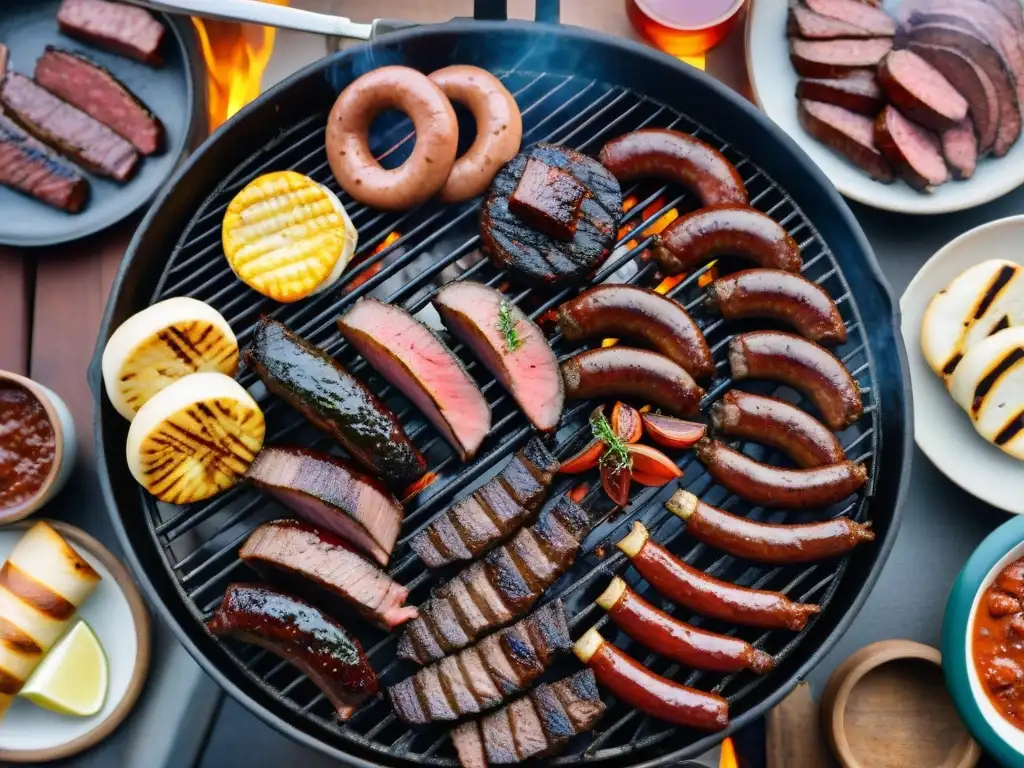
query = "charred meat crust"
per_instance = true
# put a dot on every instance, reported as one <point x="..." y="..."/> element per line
<point x="848" y="134"/>
<point x="29" y="167"/>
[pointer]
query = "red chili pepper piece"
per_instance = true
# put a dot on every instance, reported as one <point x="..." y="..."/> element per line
<point x="584" y="460"/>
<point x="626" y="422"/>
<point x="671" y="432"/>
<point x="655" y="481"/>
<point x="576" y="494"/>
<point x="653" y="463"/>
<point x="615" y="481"/>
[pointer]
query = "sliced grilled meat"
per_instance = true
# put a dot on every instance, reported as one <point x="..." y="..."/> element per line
<point x="503" y="585"/>
<point x="492" y="513"/>
<point x="509" y="344"/>
<point x="301" y="634"/>
<point x="836" y="58"/>
<point x="912" y="150"/>
<point x="333" y="400"/>
<point x="5" y="55"/>
<point x="920" y="91"/>
<point x="29" y="167"/>
<point x="875" y="20"/>
<point x="534" y="255"/>
<point x="480" y="677"/>
<point x="117" y="27"/>
<point x="304" y="559"/>
<point x="333" y="495"/>
<point x="537" y="725"/>
<point x="857" y="92"/>
<point x="960" y="148"/>
<point x="88" y="86"/>
<point x="805" y="23"/>
<point x="848" y="134"/>
<point x="84" y="140"/>
<point x="417" y="362"/>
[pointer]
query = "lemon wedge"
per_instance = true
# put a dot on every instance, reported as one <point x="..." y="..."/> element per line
<point x="72" y="678"/>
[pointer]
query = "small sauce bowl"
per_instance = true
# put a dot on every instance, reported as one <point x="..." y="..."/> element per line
<point x="28" y="405"/>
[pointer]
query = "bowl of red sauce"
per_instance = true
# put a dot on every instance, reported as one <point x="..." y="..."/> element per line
<point x="983" y="643"/>
<point x="37" y="446"/>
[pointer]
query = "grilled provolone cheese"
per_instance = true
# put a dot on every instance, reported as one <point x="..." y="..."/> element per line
<point x="983" y="299"/>
<point x="161" y="344"/>
<point x="989" y="384"/>
<point x="42" y="585"/>
<point x="195" y="439"/>
<point x="287" y="236"/>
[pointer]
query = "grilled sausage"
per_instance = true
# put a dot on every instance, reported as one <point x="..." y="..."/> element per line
<point x="638" y="313"/>
<point x="778" y="295"/>
<point x="698" y="237"/>
<point x="803" y="365"/>
<point x="499" y="129"/>
<point x="920" y="91"/>
<point x="437" y="135"/>
<point x="653" y="694"/>
<point x="912" y="150"/>
<point x="836" y="58"/>
<point x="626" y="372"/>
<point x="676" y="640"/>
<point x="765" y="542"/>
<point x="675" y="156"/>
<point x="694" y="589"/>
<point x="769" y="486"/>
<point x="774" y="422"/>
<point x="847" y="134"/>
<point x="858" y="92"/>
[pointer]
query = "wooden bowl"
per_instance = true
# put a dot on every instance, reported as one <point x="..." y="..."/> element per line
<point x="887" y="706"/>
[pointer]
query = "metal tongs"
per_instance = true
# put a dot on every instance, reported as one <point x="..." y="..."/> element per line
<point x="270" y="15"/>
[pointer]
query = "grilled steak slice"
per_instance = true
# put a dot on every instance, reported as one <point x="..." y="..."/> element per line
<point x="848" y="134"/>
<point x="875" y="20"/>
<point x="304" y="636"/>
<point x="307" y="560"/>
<point x="412" y="358"/>
<point x="433" y="696"/>
<point x="972" y="82"/>
<point x="805" y="23"/>
<point x="506" y="583"/>
<point x="84" y="140"/>
<point x="836" y="58"/>
<point x="509" y="344"/>
<point x="537" y="725"/>
<point x="920" y="91"/>
<point x="912" y="150"/>
<point x="88" y="86"/>
<point x="960" y="148"/>
<point x="534" y="255"/>
<point x="333" y="495"/>
<point x="454" y="681"/>
<point x="333" y="400"/>
<point x="124" y="29"/>
<point x="31" y="168"/>
<point x="470" y="614"/>
<point x="858" y="92"/>
<point x="547" y="199"/>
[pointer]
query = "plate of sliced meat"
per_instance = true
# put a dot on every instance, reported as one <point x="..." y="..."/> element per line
<point x="96" y="110"/>
<point x="907" y="105"/>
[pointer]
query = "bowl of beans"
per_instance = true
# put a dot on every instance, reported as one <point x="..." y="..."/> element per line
<point x="983" y="643"/>
<point x="37" y="446"/>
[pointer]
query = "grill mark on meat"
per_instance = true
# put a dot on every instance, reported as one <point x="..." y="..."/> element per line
<point x="459" y="694"/>
<point x="580" y="698"/>
<point x="498" y="739"/>
<point x="531" y="560"/>
<point x="29" y="167"/>
<point x="468" y="611"/>
<point x="475" y="670"/>
<point x="520" y="652"/>
<point x="446" y="538"/>
<point x="506" y="513"/>
<point x="475" y="526"/>
<point x="485" y="594"/>
<point x="432" y="696"/>
<point x="510" y="582"/>
<point x="499" y="666"/>
<point x="406" y="702"/>
<point x="549" y="631"/>
<point x="447" y="628"/>
<point x="121" y="28"/>
<point x="553" y="718"/>
<point x="417" y="642"/>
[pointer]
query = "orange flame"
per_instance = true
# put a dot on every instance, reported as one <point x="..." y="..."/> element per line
<point x="662" y="221"/>
<point x="387" y="241"/>
<point x="668" y="283"/>
<point x="235" y="55"/>
<point x="419" y="486"/>
<point x="373" y="269"/>
<point x="728" y="758"/>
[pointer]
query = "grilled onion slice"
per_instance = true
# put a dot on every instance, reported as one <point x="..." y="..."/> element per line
<point x="195" y="439"/>
<point x="161" y="344"/>
<point x="287" y="237"/>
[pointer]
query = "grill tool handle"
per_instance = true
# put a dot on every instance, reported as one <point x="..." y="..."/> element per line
<point x="497" y="10"/>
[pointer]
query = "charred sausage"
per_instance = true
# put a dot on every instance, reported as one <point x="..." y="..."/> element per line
<point x="499" y="129"/>
<point x="920" y="91"/>
<point x="675" y="156"/>
<point x="765" y="542"/>
<point x="848" y="134"/>
<point x="653" y="694"/>
<point x="769" y="486"/>
<point x="694" y="589"/>
<point x="836" y="58"/>
<point x="803" y="365"/>
<point x="912" y="150"/>
<point x="775" y="422"/>
<point x="698" y="237"/>
<point x="638" y="313"/>
<point x="626" y="372"/>
<point x="677" y="640"/>
<point x="437" y="135"/>
<point x="778" y="295"/>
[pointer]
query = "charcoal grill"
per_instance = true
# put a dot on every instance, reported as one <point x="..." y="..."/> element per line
<point x="574" y="87"/>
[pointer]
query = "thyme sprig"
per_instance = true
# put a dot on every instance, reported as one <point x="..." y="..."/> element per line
<point x="508" y="325"/>
<point x="616" y="452"/>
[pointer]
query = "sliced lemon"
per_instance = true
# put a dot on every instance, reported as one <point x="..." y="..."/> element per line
<point x="72" y="678"/>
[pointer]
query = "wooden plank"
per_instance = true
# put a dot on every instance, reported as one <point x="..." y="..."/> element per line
<point x="15" y="309"/>
<point x="794" y="738"/>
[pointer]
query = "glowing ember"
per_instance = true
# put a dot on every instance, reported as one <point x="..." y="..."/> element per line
<point x="419" y="486"/>
<point x="386" y="242"/>
<point x="235" y="55"/>
<point x="662" y="221"/>
<point x="708" y="277"/>
<point x="728" y="758"/>
<point x="628" y="203"/>
<point x="668" y="283"/>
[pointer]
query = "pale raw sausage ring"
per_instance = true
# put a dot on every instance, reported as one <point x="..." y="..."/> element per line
<point x="499" y="129"/>
<point x="348" y="128"/>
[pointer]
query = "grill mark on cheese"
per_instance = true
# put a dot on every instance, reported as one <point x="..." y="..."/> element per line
<point x="34" y="593"/>
<point x="9" y="684"/>
<point x="992" y="377"/>
<point x="954" y="361"/>
<point x="995" y="288"/>
<point x="1002" y="325"/>
<point x="1011" y="430"/>
<point x="12" y="636"/>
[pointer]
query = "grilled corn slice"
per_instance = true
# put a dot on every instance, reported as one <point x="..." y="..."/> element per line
<point x="287" y="236"/>
<point x="195" y="439"/>
<point x="160" y="345"/>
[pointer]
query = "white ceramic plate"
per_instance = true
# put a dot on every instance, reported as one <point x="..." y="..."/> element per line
<point x="773" y="81"/>
<point x="117" y="614"/>
<point x="942" y="429"/>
